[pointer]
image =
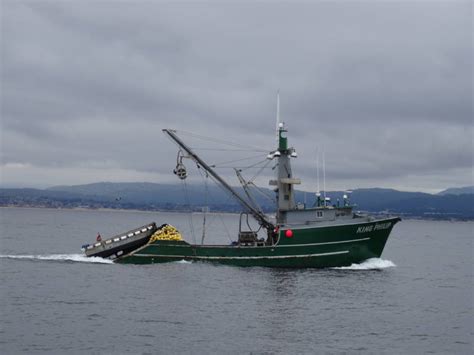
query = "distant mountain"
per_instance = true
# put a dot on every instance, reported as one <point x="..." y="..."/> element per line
<point x="150" y="196"/>
<point x="413" y="204"/>
<point x="144" y="193"/>
<point x="458" y="191"/>
<point x="448" y="206"/>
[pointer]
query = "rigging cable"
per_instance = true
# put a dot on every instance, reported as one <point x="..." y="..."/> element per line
<point x="225" y="227"/>
<point x="216" y="165"/>
<point x="264" y="194"/>
<point x="187" y="202"/>
<point x="216" y="215"/>
<point x="215" y="140"/>
<point x="252" y="183"/>
<point x="206" y="202"/>
<point x="259" y="171"/>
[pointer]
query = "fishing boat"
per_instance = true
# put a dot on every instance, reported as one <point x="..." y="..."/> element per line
<point x="323" y="235"/>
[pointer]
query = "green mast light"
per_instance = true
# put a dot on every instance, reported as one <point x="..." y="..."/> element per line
<point x="282" y="140"/>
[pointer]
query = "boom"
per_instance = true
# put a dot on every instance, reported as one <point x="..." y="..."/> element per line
<point x="259" y="216"/>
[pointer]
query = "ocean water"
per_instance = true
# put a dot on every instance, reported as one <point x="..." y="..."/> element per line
<point x="418" y="298"/>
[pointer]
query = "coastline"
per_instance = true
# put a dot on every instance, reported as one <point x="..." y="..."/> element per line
<point x="79" y="209"/>
<point x="104" y="209"/>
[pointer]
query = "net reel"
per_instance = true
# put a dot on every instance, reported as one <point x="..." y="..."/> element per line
<point x="180" y="170"/>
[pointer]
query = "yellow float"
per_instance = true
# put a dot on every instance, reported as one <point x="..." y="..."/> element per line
<point x="167" y="232"/>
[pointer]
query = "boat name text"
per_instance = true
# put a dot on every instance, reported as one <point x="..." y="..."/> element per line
<point x="374" y="227"/>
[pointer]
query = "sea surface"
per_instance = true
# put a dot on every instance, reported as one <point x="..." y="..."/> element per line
<point x="418" y="298"/>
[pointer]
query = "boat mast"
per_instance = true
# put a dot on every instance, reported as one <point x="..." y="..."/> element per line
<point x="259" y="216"/>
<point x="284" y="180"/>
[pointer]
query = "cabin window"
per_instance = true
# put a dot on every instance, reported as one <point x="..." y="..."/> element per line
<point x="319" y="214"/>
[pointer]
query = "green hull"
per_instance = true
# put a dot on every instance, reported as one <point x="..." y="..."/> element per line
<point x="309" y="247"/>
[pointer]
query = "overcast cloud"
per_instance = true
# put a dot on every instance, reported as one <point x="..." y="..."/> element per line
<point x="385" y="88"/>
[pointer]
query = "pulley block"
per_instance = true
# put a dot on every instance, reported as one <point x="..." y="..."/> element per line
<point x="180" y="169"/>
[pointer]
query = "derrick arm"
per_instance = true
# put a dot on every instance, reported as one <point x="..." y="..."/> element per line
<point x="259" y="216"/>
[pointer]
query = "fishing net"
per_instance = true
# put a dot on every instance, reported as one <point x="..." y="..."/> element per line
<point x="167" y="232"/>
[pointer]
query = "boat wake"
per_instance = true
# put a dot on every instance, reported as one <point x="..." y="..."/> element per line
<point x="369" y="264"/>
<point x="60" y="257"/>
<point x="183" y="262"/>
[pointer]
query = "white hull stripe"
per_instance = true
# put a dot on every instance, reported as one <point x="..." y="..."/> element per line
<point x="325" y="243"/>
<point x="263" y="246"/>
<point x="241" y="257"/>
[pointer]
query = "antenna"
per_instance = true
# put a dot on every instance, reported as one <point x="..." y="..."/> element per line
<point x="324" y="179"/>
<point x="278" y="115"/>
<point x="317" y="170"/>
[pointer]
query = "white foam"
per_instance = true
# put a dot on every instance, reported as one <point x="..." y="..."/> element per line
<point x="61" y="257"/>
<point x="369" y="264"/>
<point x="183" y="262"/>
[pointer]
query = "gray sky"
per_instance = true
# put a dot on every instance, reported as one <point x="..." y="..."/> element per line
<point x="384" y="87"/>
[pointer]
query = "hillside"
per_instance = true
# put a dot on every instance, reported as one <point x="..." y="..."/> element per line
<point x="458" y="191"/>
